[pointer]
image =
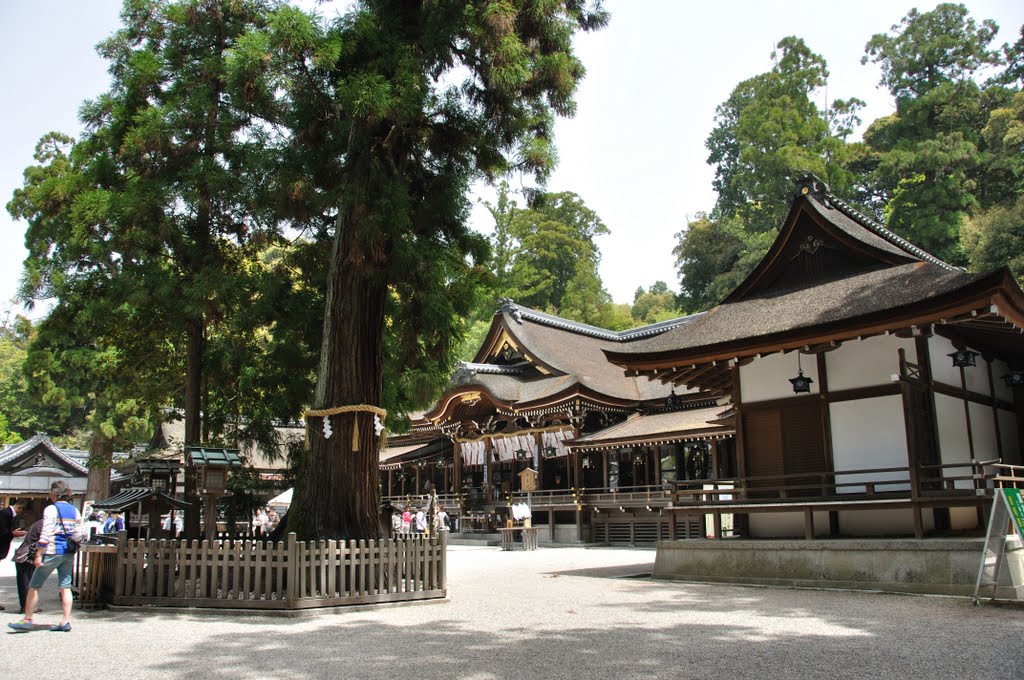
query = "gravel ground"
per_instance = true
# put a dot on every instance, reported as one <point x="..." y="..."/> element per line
<point x="554" y="613"/>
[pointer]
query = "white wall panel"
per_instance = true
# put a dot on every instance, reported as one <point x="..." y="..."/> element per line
<point x="976" y="377"/>
<point x="881" y="522"/>
<point x="952" y="425"/>
<point x="983" y="432"/>
<point x="1008" y="433"/>
<point x="942" y="365"/>
<point x="999" y="369"/>
<point x="868" y="362"/>
<point x="768" y="377"/>
<point x="869" y="433"/>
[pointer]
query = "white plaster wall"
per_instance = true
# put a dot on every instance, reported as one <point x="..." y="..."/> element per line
<point x="866" y="434"/>
<point x="942" y="365"/>
<point x="866" y="363"/>
<point x="1009" y="434"/>
<point x="881" y="522"/>
<point x="953" y="444"/>
<point x="999" y="369"/>
<point x="962" y="519"/>
<point x="976" y="377"/>
<point x="768" y="377"/>
<point x="983" y="432"/>
<point x="785" y="524"/>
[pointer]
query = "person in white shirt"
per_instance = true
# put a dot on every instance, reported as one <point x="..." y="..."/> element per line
<point x="55" y="550"/>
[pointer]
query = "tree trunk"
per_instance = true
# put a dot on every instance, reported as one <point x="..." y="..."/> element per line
<point x="193" y="415"/>
<point x="101" y="455"/>
<point x="337" y="493"/>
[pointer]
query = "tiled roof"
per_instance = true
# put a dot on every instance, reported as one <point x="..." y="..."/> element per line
<point x="74" y="459"/>
<point x="518" y="313"/>
<point x="204" y="456"/>
<point x="667" y="425"/>
<point x="578" y="356"/>
<point x="131" y="497"/>
<point x="866" y="227"/>
<point x="875" y="292"/>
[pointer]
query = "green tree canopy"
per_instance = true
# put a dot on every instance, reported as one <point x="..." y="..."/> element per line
<point x="928" y="161"/>
<point x="393" y="110"/>
<point x="770" y="131"/>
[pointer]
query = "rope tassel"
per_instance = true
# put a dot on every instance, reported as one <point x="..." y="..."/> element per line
<point x="379" y="416"/>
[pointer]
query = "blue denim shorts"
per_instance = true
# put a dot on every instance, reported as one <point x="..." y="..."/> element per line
<point x="64" y="564"/>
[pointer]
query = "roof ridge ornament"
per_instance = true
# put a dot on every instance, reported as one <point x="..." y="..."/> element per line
<point x="809" y="183"/>
<point x="508" y="306"/>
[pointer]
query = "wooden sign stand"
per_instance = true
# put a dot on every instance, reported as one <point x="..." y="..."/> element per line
<point x="1007" y="511"/>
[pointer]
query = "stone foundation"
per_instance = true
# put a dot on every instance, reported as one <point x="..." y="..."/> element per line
<point x="936" y="566"/>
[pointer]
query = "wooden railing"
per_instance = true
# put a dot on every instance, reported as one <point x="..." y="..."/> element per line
<point x="1007" y="476"/>
<point x="288" y="574"/>
<point x="947" y="479"/>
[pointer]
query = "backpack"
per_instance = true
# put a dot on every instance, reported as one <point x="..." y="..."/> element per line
<point x="72" y="544"/>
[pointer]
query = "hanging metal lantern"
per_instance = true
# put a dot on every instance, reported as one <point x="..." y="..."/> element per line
<point x="1014" y="378"/>
<point x="673" y="401"/>
<point x="801" y="383"/>
<point x="550" y="451"/>
<point x="963" y="358"/>
<point x="521" y="454"/>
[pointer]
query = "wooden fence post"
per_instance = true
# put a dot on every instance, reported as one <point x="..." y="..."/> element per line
<point x="292" y="572"/>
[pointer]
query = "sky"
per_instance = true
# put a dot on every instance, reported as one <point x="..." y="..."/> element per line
<point x="634" y="151"/>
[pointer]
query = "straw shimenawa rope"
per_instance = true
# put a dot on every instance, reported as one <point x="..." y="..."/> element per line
<point x="327" y="412"/>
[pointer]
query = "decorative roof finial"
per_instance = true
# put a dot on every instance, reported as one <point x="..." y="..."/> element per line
<point x="508" y="306"/>
<point x="809" y="183"/>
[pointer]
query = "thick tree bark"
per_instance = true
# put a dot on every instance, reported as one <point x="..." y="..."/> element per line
<point x="337" y="495"/>
<point x="101" y="455"/>
<point x="193" y="415"/>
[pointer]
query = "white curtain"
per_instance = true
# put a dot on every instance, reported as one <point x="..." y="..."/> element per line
<point x="557" y="440"/>
<point x="473" y="453"/>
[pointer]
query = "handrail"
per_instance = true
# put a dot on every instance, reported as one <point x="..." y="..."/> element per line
<point x="801" y="486"/>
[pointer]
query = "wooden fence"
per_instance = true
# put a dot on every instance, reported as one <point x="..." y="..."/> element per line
<point x="285" y="575"/>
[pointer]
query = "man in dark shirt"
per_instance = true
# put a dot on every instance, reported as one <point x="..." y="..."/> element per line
<point x="8" y="532"/>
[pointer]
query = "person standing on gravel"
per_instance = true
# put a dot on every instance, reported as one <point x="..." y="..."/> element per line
<point x="55" y="550"/>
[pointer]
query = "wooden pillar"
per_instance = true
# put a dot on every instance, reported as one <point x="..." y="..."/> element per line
<point x="490" y="471"/>
<point x="538" y="459"/>
<point x="209" y="520"/>
<point x="826" y="420"/>
<point x="457" y="455"/>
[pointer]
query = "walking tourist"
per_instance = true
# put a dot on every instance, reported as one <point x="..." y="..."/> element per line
<point x="24" y="561"/>
<point x="441" y="520"/>
<point x="407" y="519"/>
<point x="114" y="523"/>
<point x="62" y="531"/>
